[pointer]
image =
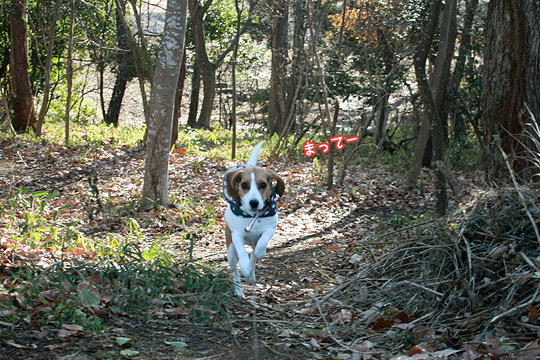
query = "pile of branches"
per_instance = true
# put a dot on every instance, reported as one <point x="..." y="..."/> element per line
<point x="473" y="271"/>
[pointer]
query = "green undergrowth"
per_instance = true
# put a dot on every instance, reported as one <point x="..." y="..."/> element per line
<point x="88" y="293"/>
<point x="55" y="274"/>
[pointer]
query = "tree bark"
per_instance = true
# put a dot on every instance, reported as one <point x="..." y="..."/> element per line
<point x="135" y="56"/>
<point x="124" y="56"/>
<point x="297" y="66"/>
<point x="24" y="115"/>
<point x="207" y="68"/>
<point x="69" y="71"/>
<point x="511" y="77"/>
<point x="420" y="58"/>
<point x="383" y="92"/>
<point x="233" y="75"/>
<point x="276" y="105"/>
<point x="194" y="98"/>
<point x="431" y="111"/>
<point x="445" y="53"/>
<point x="441" y="73"/>
<point x="204" y="65"/>
<point x="156" y="174"/>
<point x="178" y="100"/>
<point x="459" y="69"/>
<point x="49" y="45"/>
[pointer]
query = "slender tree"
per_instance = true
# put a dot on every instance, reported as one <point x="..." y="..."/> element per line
<point x="459" y="68"/>
<point x="48" y="43"/>
<point x="124" y="56"/>
<point x="69" y="70"/>
<point x="277" y="113"/>
<point x="205" y="66"/>
<point x="156" y="172"/>
<point x="24" y="115"/>
<point x="432" y="122"/>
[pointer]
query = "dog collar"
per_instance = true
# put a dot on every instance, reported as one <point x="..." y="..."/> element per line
<point x="270" y="207"/>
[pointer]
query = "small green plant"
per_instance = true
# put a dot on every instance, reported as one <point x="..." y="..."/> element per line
<point x="37" y="224"/>
<point x="96" y="206"/>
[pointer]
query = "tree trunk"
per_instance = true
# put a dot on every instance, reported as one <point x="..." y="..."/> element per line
<point x="101" y="84"/>
<point x="445" y="53"/>
<point x="383" y="94"/>
<point x="69" y="70"/>
<point x="532" y="70"/>
<point x="156" y="172"/>
<point x="124" y="63"/>
<point x="426" y="123"/>
<point x="136" y="58"/>
<point x="441" y="73"/>
<point x="431" y="111"/>
<point x="234" y="90"/>
<point x="511" y="78"/>
<point x="24" y="115"/>
<point x="297" y="66"/>
<point x="194" y="98"/>
<point x="202" y="62"/>
<point x="207" y="68"/>
<point x="49" y="45"/>
<point x="276" y="106"/>
<point x="178" y="100"/>
<point x="208" y="76"/>
<point x="459" y="69"/>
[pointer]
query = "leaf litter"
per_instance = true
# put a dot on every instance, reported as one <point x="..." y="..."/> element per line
<point x="355" y="273"/>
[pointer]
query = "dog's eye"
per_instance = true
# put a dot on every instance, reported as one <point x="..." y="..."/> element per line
<point x="263" y="185"/>
<point x="245" y="186"/>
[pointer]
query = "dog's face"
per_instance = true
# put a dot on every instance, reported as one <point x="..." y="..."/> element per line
<point x="253" y="186"/>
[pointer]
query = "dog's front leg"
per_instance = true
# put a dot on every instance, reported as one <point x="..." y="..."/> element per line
<point x="258" y="252"/>
<point x="260" y="248"/>
<point x="233" y="260"/>
<point x="243" y="257"/>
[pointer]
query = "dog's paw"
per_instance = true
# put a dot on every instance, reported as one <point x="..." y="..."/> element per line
<point x="251" y="279"/>
<point x="245" y="269"/>
<point x="259" y="252"/>
<point x="239" y="292"/>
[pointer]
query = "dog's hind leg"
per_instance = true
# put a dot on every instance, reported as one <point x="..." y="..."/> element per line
<point x="233" y="261"/>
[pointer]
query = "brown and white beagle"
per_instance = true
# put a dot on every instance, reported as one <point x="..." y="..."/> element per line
<point x="251" y="217"/>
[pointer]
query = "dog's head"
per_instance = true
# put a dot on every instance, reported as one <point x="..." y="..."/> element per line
<point x="252" y="186"/>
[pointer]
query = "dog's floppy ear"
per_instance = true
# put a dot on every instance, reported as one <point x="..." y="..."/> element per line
<point x="232" y="181"/>
<point x="280" y="184"/>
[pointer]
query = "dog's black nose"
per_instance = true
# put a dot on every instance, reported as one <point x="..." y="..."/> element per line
<point x="254" y="203"/>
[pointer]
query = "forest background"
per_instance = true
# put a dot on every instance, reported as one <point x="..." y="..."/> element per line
<point x="119" y="116"/>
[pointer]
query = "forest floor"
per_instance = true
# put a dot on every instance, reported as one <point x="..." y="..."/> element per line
<point x="298" y="308"/>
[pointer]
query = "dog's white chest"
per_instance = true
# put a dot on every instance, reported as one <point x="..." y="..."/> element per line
<point x="238" y="224"/>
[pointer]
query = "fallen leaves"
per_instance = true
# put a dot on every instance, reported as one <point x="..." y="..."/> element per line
<point x="324" y="239"/>
<point x="71" y="330"/>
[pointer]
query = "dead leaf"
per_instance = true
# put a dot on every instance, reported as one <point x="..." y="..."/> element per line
<point x="381" y="324"/>
<point x="533" y="314"/>
<point x="313" y="342"/>
<point x="413" y="351"/>
<point x="402" y="318"/>
<point x="70" y="330"/>
<point x="57" y="346"/>
<point x="370" y="315"/>
<point x="531" y="349"/>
